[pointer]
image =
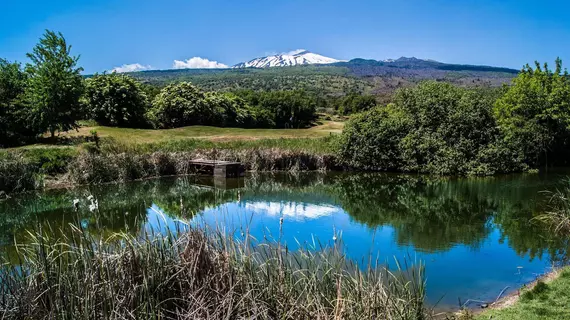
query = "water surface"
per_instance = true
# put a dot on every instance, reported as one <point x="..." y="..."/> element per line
<point x="475" y="236"/>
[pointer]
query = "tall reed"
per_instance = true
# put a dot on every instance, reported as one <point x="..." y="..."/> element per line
<point x="198" y="274"/>
<point x="559" y="215"/>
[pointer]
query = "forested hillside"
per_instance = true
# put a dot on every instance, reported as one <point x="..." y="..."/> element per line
<point x="379" y="78"/>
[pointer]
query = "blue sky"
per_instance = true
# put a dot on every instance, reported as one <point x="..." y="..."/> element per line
<point x="111" y="33"/>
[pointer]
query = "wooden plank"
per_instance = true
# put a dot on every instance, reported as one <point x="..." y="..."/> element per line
<point x="218" y="168"/>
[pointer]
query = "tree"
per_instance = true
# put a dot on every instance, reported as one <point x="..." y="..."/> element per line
<point x="534" y="113"/>
<point x="116" y="100"/>
<point x="288" y="108"/>
<point x="434" y="128"/>
<point x="354" y="102"/>
<point x="13" y="112"/>
<point x="180" y="104"/>
<point x="55" y="84"/>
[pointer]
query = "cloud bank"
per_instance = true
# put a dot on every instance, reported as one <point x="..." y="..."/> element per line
<point x="131" y="68"/>
<point x="198" y="63"/>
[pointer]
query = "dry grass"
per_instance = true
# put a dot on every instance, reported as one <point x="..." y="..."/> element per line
<point x="93" y="168"/>
<point x="199" y="275"/>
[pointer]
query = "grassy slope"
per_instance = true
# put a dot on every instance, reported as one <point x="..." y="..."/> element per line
<point x="202" y="137"/>
<point x="205" y="132"/>
<point x="548" y="301"/>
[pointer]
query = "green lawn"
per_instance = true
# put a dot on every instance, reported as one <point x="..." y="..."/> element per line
<point x="550" y="300"/>
<point x="205" y="132"/>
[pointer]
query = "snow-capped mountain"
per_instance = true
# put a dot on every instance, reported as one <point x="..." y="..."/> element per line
<point x="293" y="58"/>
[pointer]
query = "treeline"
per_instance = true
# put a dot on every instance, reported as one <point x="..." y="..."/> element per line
<point x="49" y="94"/>
<point x="443" y="129"/>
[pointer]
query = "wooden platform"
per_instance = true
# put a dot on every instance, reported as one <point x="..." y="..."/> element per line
<point x="218" y="168"/>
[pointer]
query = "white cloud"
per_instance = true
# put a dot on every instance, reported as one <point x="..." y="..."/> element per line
<point x="294" y="52"/>
<point x="131" y="68"/>
<point x="198" y="63"/>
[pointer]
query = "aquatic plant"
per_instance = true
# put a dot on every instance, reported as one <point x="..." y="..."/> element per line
<point x="17" y="173"/>
<point x="88" y="167"/>
<point x="199" y="274"/>
<point x="559" y="216"/>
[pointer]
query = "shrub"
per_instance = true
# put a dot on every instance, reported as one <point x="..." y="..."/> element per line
<point x="294" y="109"/>
<point x="180" y="104"/>
<point x="115" y="100"/>
<point x="435" y="128"/>
<point x="50" y="160"/>
<point x="534" y="115"/>
<point x="14" y="114"/>
<point x="17" y="173"/>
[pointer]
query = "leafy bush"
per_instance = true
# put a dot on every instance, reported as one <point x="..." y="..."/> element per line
<point x="354" y="103"/>
<point x="294" y="109"/>
<point x="534" y="115"/>
<point x="50" y="160"/>
<point x="14" y="127"/>
<point x="116" y="100"/>
<point x="436" y="128"/>
<point x="179" y="105"/>
<point x="228" y="110"/>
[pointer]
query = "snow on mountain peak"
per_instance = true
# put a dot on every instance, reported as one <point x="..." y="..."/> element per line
<point x="292" y="58"/>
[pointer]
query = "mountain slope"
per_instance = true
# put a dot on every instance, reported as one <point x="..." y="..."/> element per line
<point x="298" y="57"/>
<point x="380" y="78"/>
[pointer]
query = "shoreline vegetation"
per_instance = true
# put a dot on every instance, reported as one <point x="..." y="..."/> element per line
<point x="107" y="161"/>
<point x="200" y="274"/>
<point x="544" y="298"/>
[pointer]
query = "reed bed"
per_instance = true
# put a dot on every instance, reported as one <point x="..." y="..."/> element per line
<point x="199" y="274"/>
<point x="559" y="216"/>
<point x="17" y="174"/>
<point x="112" y="161"/>
<point x="89" y="168"/>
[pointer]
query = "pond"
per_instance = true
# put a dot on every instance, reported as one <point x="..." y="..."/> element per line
<point x="476" y="236"/>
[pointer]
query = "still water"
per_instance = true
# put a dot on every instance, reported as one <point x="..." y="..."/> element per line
<point x="475" y="236"/>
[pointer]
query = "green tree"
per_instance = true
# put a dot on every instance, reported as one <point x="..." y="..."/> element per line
<point x="178" y="105"/>
<point x="116" y="100"/>
<point x="354" y="102"/>
<point x="13" y="112"/>
<point x="55" y="84"/>
<point x="288" y="108"/>
<point x="435" y="128"/>
<point x="534" y="113"/>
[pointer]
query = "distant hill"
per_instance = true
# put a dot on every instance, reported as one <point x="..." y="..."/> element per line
<point x="381" y="78"/>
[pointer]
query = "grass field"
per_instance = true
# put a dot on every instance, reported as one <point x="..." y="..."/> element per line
<point x="325" y="128"/>
<point x="547" y="300"/>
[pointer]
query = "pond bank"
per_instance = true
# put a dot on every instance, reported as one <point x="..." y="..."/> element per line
<point x="38" y="168"/>
<point x="544" y="298"/>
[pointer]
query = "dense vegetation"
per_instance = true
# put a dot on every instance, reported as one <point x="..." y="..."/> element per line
<point x="115" y="100"/>
<point x="198" y="275"/>
<point x="443" y="129"/>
